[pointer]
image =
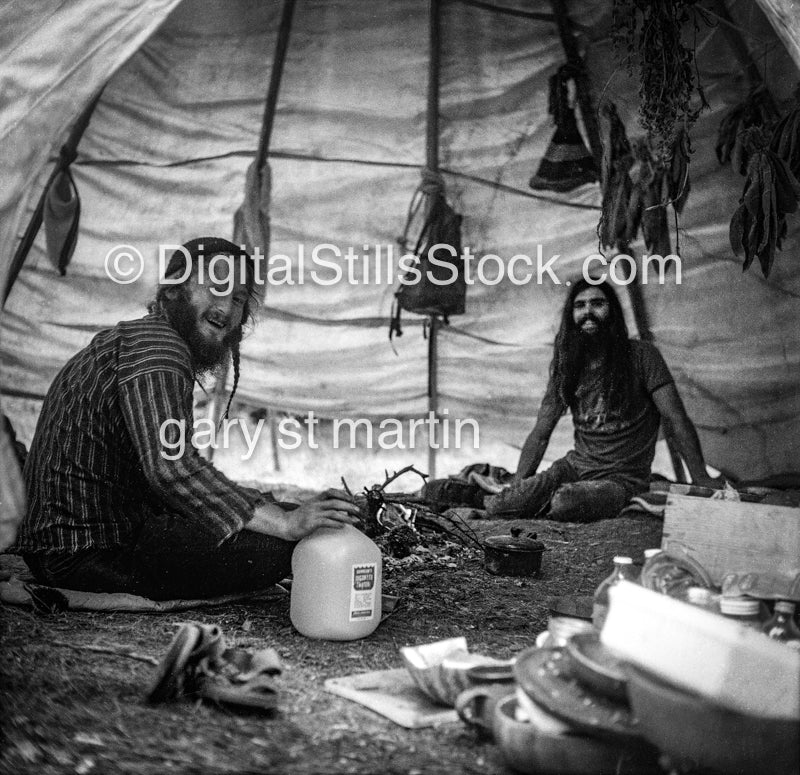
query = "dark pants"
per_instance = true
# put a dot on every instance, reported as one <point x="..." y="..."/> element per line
<point x="170" y="560"/>
<point x="560" y="489"/>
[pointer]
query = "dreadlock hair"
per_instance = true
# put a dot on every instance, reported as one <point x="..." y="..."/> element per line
<point x="192" y="253"/>
<point x="569" y="350"/>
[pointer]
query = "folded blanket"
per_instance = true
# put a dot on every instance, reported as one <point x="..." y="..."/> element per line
<point x="18" y="592"/>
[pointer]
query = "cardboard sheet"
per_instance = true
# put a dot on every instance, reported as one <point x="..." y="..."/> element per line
<point x="392" y="693"/>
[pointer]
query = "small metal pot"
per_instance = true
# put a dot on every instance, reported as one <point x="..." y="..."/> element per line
<point x="513" y="555"/>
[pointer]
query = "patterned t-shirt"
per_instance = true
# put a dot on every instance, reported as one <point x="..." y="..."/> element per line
<point x="617" y="442"/>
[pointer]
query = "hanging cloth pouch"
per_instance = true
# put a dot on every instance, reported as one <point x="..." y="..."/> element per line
<point x="435" y="285"/>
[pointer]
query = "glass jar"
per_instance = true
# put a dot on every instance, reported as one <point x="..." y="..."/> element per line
<point x="648" y="554"/>
<point x="781" y="625"/>
<point x="623" y="570"/>
<point x="744" y="610"/>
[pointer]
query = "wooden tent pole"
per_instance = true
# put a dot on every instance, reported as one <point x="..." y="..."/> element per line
<point x="275" y="76"/>
<point x="432" y="163"/>
<point x="740" y="49"/>
<point x="434" y="65"/>
<point x="270" y="104"/>
<point x="783" y="16"/>
<point x="433" y="394"/>
<point x="641" y="318"/>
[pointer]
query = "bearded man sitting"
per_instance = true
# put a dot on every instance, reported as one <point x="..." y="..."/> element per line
<point x="107" y="511"/>
<point x="618" y="390"/>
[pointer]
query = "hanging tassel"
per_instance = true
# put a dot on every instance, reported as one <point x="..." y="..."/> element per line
<point x="567" y="162"/>
<point x="61" y="214"/>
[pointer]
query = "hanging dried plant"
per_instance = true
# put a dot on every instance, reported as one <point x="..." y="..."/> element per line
<point x="647" y="209"/>
<point x="770" y="192"/>
<point x="786" y="140"/>
<point x="649" y="38"/>
<point x="615" y="182"/>
<point x="657" y="185"/>
<point x="756" y="110"/>
<point x="638" y="186"/>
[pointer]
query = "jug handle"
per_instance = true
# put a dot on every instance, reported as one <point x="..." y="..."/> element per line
<point x="472" y="706"/>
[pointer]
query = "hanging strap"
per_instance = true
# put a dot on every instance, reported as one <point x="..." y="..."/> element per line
<point x="270" y="105"/>
<point x="67" y="155"/>
<point x="430" y="189"/>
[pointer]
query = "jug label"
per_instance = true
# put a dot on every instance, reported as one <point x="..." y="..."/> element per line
<point x="362" y="593"/>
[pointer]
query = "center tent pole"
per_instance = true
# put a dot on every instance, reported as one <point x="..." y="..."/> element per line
<point x="432" y="163"/>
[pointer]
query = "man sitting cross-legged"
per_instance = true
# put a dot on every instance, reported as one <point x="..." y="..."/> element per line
<point x="618" y="390"/>
<point x="107" y="511"/>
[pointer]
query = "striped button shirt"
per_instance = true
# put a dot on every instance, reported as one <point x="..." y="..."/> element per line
<point x="95" y="469"/>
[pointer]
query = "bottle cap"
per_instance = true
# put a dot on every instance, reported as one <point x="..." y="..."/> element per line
<point x="784" y="607"/>
<point x="739" y="606"/>
<point x="648" y="553"/>
<point x="623" y="561"/>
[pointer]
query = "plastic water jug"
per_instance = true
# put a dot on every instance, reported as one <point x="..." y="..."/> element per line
<point x="336" y="586"/>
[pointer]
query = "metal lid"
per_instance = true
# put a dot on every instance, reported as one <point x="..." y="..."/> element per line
<point x="784" y="607"/>
<point x="648" y="553"/>
<point x="739" y="606"/>
<point x="509" y="543"/>
<point x="623" y="561"/>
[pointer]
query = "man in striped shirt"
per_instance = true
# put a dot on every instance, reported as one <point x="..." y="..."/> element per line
<point x="108" y="508"/>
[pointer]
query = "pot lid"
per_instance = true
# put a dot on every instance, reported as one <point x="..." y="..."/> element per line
<point x="512" y="543"/>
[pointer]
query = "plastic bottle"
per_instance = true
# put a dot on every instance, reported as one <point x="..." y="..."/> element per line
<point x="744" y="610"/>
<point x="781" y="625"/>
<point x="336" y="586"/>
<point x="623" y="569"/>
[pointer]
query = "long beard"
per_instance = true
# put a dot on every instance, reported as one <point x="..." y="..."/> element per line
<point x="208" y="357"/>
<point x="596" y="343"/>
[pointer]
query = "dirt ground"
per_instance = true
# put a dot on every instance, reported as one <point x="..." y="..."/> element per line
<point x="71" y="710"/>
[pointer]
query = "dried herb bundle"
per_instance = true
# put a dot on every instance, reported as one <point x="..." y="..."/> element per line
<point x="648" y="36"/>
<point x="647" y="208"/>
<point x="638" y="186"/>
<point x="756" y="110"/>
<point x="786" y="141"/>
<point x="770" y="192"/>
<point x="615" y="182"/>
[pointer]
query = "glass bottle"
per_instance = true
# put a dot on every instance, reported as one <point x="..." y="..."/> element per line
<point x="623" y="570"/>
<point x="744" y="610"/>
<point x="781" y="625"/>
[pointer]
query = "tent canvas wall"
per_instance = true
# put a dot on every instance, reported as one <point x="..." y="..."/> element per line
<point x="164" y="159"/>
